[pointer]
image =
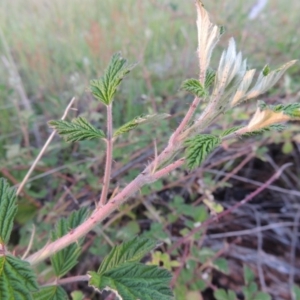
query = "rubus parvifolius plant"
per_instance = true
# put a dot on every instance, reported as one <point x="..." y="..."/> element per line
<point x="221" y="90"/>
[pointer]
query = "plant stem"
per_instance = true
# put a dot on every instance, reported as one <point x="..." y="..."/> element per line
<point x="43" y="150"/>
<point x="73" y="279"/>
<point x="100" y="214"/>
<point x="109" y="151"/>
<point x="185" y="120"/>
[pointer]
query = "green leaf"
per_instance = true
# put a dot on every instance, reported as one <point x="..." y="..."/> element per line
<point x="222" y="29"/>
<point x="199" y="147"/>
<point x="105" y="88"/>
<point x="266" y="70"/>
<point x="275" y="127"/>
<point x="17" y="279"/>
<point x="248" y="275"/>
<point x="139" y="121"/>
<point x="221" y="294"/>
<point x="77" y="295"/>
<point x="231" y="295"/>
<point x="262" y="296"/>
<point x="230" y="130"/>
<point x="210" y="78"/>
<point x="50" y="293"/>
<point x="77" y="130"/>
<point x="8" y="210"/>
<point x="296" y="292"/>
<point x="221" y="264"/>
<point x="133" y="281"/>
<point x="131" y="251"/>
<point x="292" y="110"/>
<point x="194" y="87"/>
<point x="66" y="259"/>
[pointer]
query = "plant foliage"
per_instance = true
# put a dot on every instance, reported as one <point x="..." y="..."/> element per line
<point x="230" y="130"/>
<point x="51" y="293"/>
<point x="77" y="130"/>
<point x="210" y="78"/>
<point x="139" y="121"/>
<point x="105" y="88"/>
<point x="8" y="210"/>
<point x="17" y="280"/>
<point x="199" y="147"/>
<point x="66" y="259"/>
<point x="133" y="281"/>
<point x="194" y="87"/>
<point x="130" y="280"/>
<point x="131" y="251"/>
<point x="292" y="110"/>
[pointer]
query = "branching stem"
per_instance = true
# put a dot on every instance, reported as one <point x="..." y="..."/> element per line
<point x="100" y="214"/>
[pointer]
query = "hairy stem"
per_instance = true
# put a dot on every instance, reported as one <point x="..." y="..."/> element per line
<point x="100" y="214"/>
<point x="109" y="151"/>
<point x="73" y="279"/>
<point x="185" y="120"/>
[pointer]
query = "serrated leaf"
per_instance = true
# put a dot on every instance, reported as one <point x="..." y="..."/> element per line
<point x="8" y="210"/>
<point x="131" y="251"/>
<point x="105" y="88"/>
<point x="275" y="127"/>
<point x="17" y="279"/>
<point x="133" y="281"/>
<point x="199" y="147"/>
<point x="77" y="130"/>
<point x="230" y="130"/>
<point x="66" y="259"/>
<point x="139" y="121"/>
<point x="292" y="110"/>
<point x="50" y="293"/>
<point x="194" y="87"/>
<point x="210" y="78"/>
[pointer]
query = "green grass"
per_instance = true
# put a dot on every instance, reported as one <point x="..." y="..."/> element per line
<point x="59" y="46"/>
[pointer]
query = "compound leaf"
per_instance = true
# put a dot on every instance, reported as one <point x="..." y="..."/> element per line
<point x="50" y="293"/>
<point x="230" y="130"/>
<point x="131" y="251"/>
<point x="139" y="121"/>
<point x="292" y="110"/>
<point x="17" y="280"/>
<point x="210" y="78"/>
<point x="199" y="147"/>
<point x="275" y="127"/>
<point x="8" y="210"/>
<point x="77" y="130"/>
<point x="105" y="88"/>
<point x="194" y="87"/>
<point x="133" y="281"/>
<point x="66" y="259"/>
